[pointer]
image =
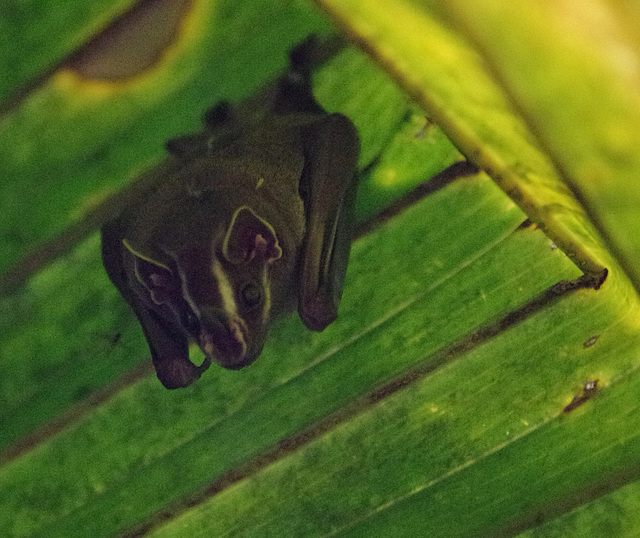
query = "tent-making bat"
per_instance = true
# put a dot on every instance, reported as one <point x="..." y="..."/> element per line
<point x="255" y="220"/>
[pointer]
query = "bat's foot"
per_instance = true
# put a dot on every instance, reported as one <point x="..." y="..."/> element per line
<point x="314" y="51"/>
<point x="316" y="313"/>
<point x="295" y="92"/>
<point x="217" y="115"/>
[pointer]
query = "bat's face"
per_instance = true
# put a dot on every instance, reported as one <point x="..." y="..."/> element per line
<point x="218" y="295"/>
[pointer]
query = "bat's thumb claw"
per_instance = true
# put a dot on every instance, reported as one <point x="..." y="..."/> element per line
<point x="176" y="374"/>
<point x="317" y="313"/>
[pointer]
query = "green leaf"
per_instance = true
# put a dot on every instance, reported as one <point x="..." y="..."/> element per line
<point x="475" y="112"/>
<point x="35" y="36"/>
<point x="438" y="404"/>
<point x="572" y="72"/>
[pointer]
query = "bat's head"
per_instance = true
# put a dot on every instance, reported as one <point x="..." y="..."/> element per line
<point x="218" y="294"/>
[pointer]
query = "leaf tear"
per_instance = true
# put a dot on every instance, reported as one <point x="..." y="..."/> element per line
<point x="588" y="391"/>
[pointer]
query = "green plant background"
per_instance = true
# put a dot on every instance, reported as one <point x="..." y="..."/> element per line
<point x="435" y="404"/>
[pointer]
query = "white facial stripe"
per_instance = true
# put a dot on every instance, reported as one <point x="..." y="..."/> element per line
<point x="237" y="332"/>
<point x="229" y="304"/>
<point x="185" y="292"/>
<point x="267" y="296"/>
<point x="226" y="290"/>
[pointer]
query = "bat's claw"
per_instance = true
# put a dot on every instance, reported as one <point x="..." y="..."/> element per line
<point x="317" y="313"/>
<point x="177" y="374"/>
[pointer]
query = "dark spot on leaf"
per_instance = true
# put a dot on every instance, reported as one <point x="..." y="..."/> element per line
<point x="82" y="393"/>
<point x="115" y="338"/>
<point x="600" y="278"/>
<point x="591" y="341"/>
<point x="525" y="224"/>
<point x="514" y="193"/>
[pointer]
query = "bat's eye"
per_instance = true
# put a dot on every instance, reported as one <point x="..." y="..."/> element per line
<point x="190" y="322"/>
<point x="251" y="295"/>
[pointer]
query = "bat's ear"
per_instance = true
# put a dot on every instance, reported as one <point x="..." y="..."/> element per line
<point x="162" y="284"/>
<point x="250" y="236"/>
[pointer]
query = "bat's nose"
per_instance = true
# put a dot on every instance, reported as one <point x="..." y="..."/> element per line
<point x="225" y="342"/>
<point x="238" y="364"/>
